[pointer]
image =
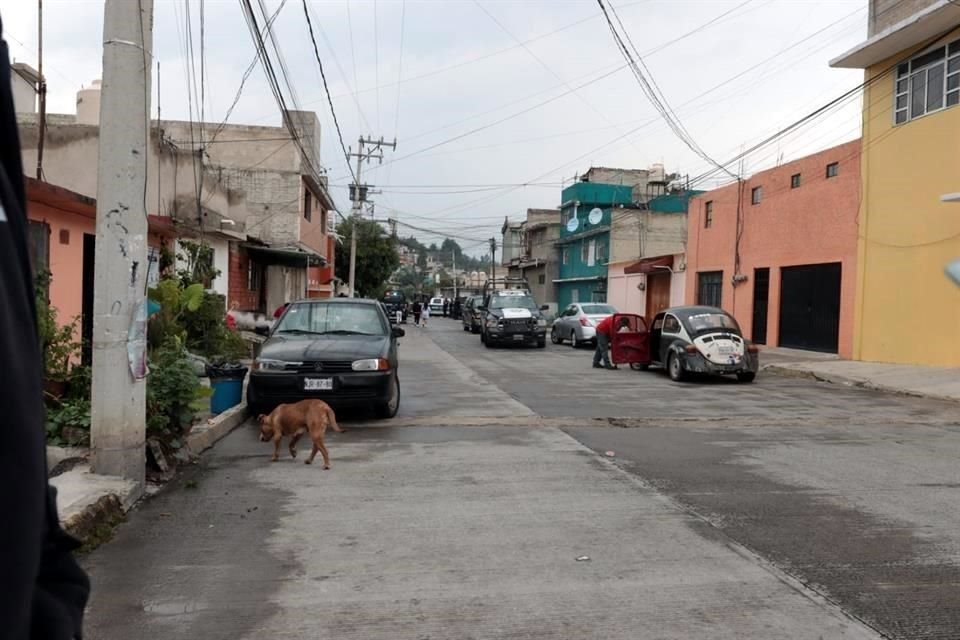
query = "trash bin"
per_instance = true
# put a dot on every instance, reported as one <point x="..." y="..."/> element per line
<point x="226" y="380"/>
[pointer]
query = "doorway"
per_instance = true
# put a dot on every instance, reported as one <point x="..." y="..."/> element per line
<point x="761" y="301"/>
<point x="810" y="307"/>
<point x="86" y="313"/>
<point x="658" y="293"/>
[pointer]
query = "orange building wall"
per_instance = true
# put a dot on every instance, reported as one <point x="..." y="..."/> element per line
<point x="812" y="224"/>
<point x="66" y="259"/>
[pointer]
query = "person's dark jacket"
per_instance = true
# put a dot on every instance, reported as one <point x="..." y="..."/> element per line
<point x="43" y="591"/>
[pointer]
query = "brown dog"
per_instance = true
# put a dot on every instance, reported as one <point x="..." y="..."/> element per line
<point x="306" y="416"/>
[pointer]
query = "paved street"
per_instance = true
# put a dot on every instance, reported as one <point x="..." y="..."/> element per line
<point x="781" y="509"/>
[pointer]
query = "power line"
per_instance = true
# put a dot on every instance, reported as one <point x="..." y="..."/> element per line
<point x="333" y="112"/>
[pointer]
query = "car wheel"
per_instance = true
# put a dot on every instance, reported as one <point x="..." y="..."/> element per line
<point x="483" y="338"/>
<point x="675" y="368"/>
<point x="388" y="409"/>
<point x="746" y="376"/>
<point x="555" y="336"/>
<point x="474" y="329"/>
<point x="466" y="328"/>
<point x="573" y="340"/>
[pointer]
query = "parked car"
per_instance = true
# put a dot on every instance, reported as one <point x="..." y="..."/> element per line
<point x="340" y="350"/>
<point x="395" y="302"/>
<point x="471" y="314"/>
<point x="578" y="323"/>
<point x="511" y="315"/>
<point x="687" y="340"/>
<point x="436" y="306"/>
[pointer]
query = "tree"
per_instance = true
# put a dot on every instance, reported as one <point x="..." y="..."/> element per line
<point x="377" y="256"/>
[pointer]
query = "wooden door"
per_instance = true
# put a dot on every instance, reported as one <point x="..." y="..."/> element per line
<point x="658" y="293"/>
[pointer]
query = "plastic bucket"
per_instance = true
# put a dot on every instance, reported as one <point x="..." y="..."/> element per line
<point x="227" y="385"/>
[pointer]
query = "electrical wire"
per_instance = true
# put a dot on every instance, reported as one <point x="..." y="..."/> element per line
<point x="333" y="112"/>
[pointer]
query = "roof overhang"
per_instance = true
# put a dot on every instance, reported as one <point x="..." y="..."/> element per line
<point x="939" y="18"/>
<point x="650" y="265"/>
<point x="60" y="198"/>
<point x="581" y="279"/>
<point x="284" y="256"/>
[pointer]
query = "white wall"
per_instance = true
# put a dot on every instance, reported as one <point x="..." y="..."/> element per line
<point x="221" y="261"/>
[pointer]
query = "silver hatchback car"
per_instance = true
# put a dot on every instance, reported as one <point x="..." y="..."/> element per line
<point x="578" y="323"/>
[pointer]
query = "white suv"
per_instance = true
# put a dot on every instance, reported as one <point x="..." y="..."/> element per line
<point x="436" y="305"/>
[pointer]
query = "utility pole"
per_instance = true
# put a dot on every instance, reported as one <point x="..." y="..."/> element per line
<point x="453" y="252"/>
<point x="493" y="258"/>
<point x="42" y="91"/>
<point x="358" y="194"/>
<point x="118" y="411"/>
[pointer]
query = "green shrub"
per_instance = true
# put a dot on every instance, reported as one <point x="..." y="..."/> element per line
<point x="172" y="388"/>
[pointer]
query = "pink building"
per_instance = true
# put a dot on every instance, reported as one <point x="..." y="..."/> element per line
<point x="781" y="254"/>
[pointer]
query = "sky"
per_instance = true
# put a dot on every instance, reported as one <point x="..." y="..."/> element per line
<point x="494" y="104"/>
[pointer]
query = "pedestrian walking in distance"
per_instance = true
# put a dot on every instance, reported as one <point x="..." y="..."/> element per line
<point x="446" y="307"/>
<point x="417" y="308"/>
<point x="604" y="330"/>
<point x="425" y="315"/>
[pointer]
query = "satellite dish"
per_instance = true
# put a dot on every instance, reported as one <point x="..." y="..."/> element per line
<point x="595" y="216"/>
<point x="572" y="225"/>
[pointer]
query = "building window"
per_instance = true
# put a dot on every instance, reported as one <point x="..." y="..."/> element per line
<point x="254" y="275"/>
<point x="323" y="222"/>
<point x="708" y="214"/>
<point x="307" y="205"/>
<point x="756" y="195"/>
<point x="795" y="181"/>
<point x="833" y="169"/>
<point x="710" y="288"/>
<point x="927" y="83"/>
<point x="601" y="251"/>
<point x="586" y="252"/>
<point x="566" y="255"/>
<point x="542" y="279"/>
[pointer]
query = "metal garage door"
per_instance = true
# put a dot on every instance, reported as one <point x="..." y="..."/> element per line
<point x="810" y="307"/>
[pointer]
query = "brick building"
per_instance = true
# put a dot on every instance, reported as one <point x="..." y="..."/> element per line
<point x="781" y="255"/>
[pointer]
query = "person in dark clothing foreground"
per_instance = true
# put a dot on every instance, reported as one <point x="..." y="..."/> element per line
<point x="43" y="591"/>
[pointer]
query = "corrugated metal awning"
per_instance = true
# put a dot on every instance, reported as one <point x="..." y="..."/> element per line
<point x="649" y="265"/>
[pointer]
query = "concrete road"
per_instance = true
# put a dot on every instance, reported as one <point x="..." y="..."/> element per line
<point x="782" y="509"/>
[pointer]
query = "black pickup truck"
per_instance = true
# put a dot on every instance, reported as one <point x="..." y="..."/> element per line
<point x="394" y="303"/>
<point x="509" y="315"/>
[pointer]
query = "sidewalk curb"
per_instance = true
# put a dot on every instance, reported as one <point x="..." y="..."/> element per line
<point x="93" y="523"/>
<point x="833" y="378"/>
<point x="205" y="436"/>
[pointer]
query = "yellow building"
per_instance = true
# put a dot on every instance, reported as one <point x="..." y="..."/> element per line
<point x="907" y="311"/>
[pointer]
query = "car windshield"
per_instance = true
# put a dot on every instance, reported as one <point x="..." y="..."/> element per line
<point x="598" y="309"/>
<point x="523" y="301"/>
<point x="324" y="318"/>
<point x="703" y="322"/>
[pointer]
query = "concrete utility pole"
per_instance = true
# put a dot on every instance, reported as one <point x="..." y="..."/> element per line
<point x="117" y="418"/>
<point x="453" y="252"/>
<point x="493" y="258"/>
<point x="42" y="91"/>
<point x="358" y="195"/>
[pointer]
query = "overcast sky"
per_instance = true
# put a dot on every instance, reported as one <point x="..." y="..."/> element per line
<point x="429" y="72"/>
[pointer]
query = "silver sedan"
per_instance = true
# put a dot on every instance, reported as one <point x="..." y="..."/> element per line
<point x="578" y="323"/>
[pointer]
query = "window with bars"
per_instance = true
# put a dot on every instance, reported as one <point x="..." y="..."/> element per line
<point x="795" y="181"/>
<point x="756" y="195"/>
<point x="929" y="82"/>
<point x="708" y="214"/>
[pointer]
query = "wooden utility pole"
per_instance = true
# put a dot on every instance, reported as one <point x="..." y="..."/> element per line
<point x="118" y="411"/>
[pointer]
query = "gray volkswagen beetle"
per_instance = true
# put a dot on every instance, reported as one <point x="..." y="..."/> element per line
<point x="686" y="340"/>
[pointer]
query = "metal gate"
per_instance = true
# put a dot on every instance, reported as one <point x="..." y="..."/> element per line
<point x="810" y="307"/>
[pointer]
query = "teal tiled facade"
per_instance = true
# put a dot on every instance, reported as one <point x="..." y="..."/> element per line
<point x="584" y="244"/>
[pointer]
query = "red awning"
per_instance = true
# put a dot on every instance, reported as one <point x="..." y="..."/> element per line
<point x="649" y="265"/>
<point x="161" y="225"/>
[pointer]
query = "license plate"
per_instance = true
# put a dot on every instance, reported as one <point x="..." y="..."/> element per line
<point x="318" y="384"/>
<point x="519" y="338"/>
<point x="726" y="349"/>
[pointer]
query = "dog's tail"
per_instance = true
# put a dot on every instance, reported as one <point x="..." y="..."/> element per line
<point x="332" y="419"/>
